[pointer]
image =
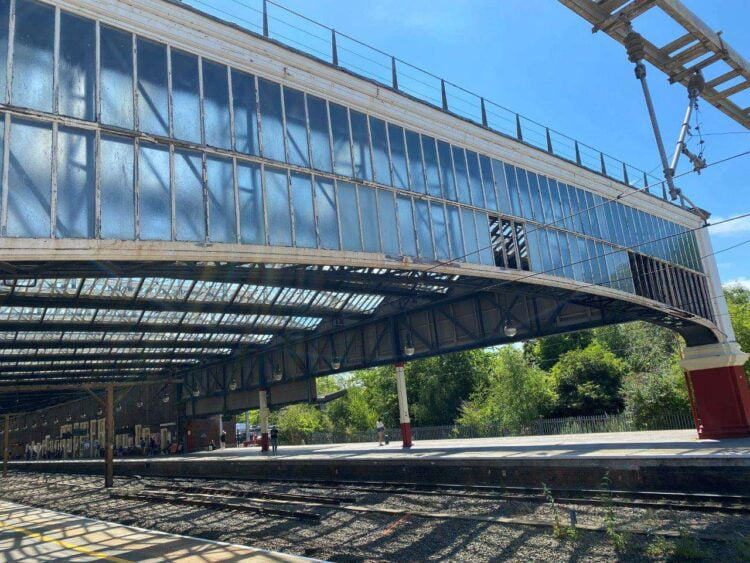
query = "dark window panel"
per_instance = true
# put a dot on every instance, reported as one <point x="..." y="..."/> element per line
<point x="296" y="128"/>
<point x="446" y="171"/>
<point x="325" y="207"/>
<point x="152" y="88"/>
<point x="217" y="122"/>
<point x="186" y="105"/>
<point x="388" y="225"/>
<point x="77" y="67"/>
<point x="432" y="169"/>
<point x="398" y="156"/>
<point x="406" y="226"/>
<point x="30" y="179"/>
<point x="221" y="211"/>
<point x="320" y="134"/>
<point x="351" y="235"/>
<point x="440" y="231"/>
<point x="116" y="77"/>
<point x="342" y="150"/>
<point x="362" y="159"/>
<point x="381" y="160"/>
<point x="250" y="188"/>
<point x="424" y="229"/>
<point x="488" y="183"/>
<point x="271" y="121"/>
<point x="304" y="215"/>
<point x="190" y="215"/>
<point x="117" y="188"/>
<point x="279" y="218"/>
<point x="33" y="48"/>
<point x="155" y="200"/>
<point x="368" y="210"/>
<point x="462" y="178"/>
<point x="416" y="171"/>
<point x="475" y="179"/>
<point x="245" y="113"/>
<point x="76" y="186"/>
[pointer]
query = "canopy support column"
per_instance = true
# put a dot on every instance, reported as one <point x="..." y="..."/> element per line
<point x="109" y="437"/>
<point x="263" y="416"/>
<point x="403" y="405"/>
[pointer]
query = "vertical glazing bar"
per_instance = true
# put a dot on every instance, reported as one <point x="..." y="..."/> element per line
<point x="97" y="184"/>
<point x="172" y="193"/>
<point x="443" y="94"/>
<point x="201" y="101"/>
<point x="9" y="65"/>
<point x="6" y="160"/>
<point x="484" y="112"/>
<point x="334" y="49"/>
<point x="519" y="131"/>
<point x="137" y="187"/>
<point x="394" y="73"/>
<point x="170" y="100"/>
<point x="53" y="197"/>
<point x="56" y="68"/>
<point x="236" y="187"/>
<point x="134" y="85"/>
<point x="97" y="73"/>
<point x="265" y="18"/>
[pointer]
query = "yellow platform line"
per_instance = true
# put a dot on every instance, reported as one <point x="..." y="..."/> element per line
<point x="62" y="543"/>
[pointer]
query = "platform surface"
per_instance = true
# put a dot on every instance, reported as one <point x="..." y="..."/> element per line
<point x="33" y="534"/>
<point x="659" y="444"/>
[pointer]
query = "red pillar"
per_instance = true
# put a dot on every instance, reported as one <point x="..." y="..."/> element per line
<point x="403" y="406"/>
<point x="719" y="393"/>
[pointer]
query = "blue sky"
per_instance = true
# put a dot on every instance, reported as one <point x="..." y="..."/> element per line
<point x="540" y="59"/>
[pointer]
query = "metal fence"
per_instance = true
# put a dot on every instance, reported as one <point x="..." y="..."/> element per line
<point x="296" y="31"/>
<point x="548" y="426"/>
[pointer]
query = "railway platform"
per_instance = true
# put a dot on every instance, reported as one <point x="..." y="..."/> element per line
<point x="35" y="534"/>
<point x="656" y="460"/>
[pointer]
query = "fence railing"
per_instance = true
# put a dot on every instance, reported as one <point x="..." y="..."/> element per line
<point x="292" y="29"/>
<point x="541" y="427"/>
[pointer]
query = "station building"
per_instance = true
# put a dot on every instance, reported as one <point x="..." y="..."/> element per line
<point x="188" y="200"/>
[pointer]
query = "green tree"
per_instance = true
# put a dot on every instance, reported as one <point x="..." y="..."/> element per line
<point x="650" y="397"/>
<point x="438" y="386"/>
<point x="738" y="302"/>
<point x="545" y="352"/>
<point x="588" y="381"/>
<point x="514" y="394"/>
<point x="645" y="347"/>
<point x="297" y="422"/>
<point x="352" y="412"/>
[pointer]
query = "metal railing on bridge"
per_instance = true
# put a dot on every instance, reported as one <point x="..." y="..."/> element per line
<point x="296" y="31"/>
<point x="542" y="427"/>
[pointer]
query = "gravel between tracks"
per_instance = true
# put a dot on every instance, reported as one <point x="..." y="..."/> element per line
<point x="355" y="536"/>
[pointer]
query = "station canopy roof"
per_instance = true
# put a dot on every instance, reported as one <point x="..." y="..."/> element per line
<point x="92" y="323"/>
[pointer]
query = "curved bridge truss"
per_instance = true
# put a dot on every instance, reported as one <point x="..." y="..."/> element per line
<point x="183" y="199"/>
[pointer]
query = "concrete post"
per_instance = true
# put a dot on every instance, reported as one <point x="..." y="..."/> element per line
<point x="109" y="437"/>
<point x="6" y="444"/>
<point x="263" y="416"/>
<point x="403" y="406"/>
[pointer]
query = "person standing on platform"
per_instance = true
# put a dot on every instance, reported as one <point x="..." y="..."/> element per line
<point x="380" y="427"/>
<point x="274" y="439"/>
<point x="223" y="439"/>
